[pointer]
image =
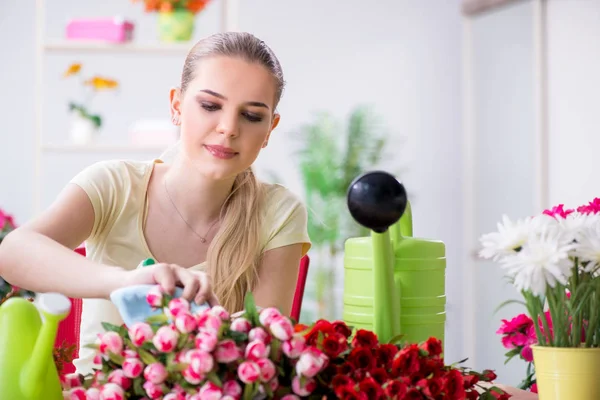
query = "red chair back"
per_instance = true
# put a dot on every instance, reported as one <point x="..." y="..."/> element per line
<point x="69" y="328"/>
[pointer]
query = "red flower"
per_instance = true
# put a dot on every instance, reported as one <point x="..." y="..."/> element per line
<point x="385" y="355"/>
<point x="349" y="393"/>
<point x="431" y="387"/>
<point x="470" y="380"/>
<point x="406" y="362"/>
<point x="364" y="338"/>
<point x="341" y="328"/>
<point x="395" y="389"/>
<point x="341" y="380"/>
<point x="534" y="388"/>
<point x="380" y="374"/>
<point x="593" y="207"/>
<point x="334" y="344"/>
<point x="489" y="375"/>
<point x="472" y="395"/>
<point x="433" y="346"/>
<point x="454" y="385"/>
<point x="345" y="369"/>
<point x="558" y="211"/>
<point x="371" y="388"/>
<point x="361" y="358"/>
<point x="321" y="326"/>
<point x="413" y="394"/>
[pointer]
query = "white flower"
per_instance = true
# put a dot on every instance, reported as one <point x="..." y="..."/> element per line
<point x="509" y="238"/>
<point x="587" y="248"/>
<point x="542" y="262"/>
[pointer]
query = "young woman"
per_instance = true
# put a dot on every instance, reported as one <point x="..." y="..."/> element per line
<point x="211" y="227"/>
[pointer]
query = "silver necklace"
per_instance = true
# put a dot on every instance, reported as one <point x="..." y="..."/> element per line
<point x="202" y="238"/>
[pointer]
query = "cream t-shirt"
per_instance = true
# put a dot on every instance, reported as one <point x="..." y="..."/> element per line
<point x="118" y="192"/>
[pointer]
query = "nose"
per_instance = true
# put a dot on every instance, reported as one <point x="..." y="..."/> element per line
<point x="228" y="124"/>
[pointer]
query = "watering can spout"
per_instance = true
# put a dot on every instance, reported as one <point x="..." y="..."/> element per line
<point x="54" y="308"/>
<point x="377" y="201"/>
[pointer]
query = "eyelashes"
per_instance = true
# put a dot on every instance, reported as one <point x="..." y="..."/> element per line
<point x="212" y="107"/>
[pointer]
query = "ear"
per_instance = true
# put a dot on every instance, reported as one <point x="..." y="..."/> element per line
<point x="175" y="105"/>
<point x="276" y="118"/>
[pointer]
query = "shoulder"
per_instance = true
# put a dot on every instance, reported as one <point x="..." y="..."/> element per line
<point x="113" y="173"/>
<point x="278" y="199"/>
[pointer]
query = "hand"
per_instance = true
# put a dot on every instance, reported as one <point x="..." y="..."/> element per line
<point x="196" y="284"/>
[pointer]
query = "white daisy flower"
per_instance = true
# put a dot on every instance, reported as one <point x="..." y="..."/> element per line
<point x="542" y="262"/>
<point x="507" y="241"/>
<point x="587" y="248"/>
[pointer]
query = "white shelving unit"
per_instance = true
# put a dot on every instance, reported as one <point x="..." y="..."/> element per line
<point x="45" y="46"/>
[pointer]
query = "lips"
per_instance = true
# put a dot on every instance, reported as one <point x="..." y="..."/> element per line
<point x="222" y="152"/>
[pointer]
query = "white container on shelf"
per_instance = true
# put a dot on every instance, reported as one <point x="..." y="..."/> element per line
<point x="153" y="132"/>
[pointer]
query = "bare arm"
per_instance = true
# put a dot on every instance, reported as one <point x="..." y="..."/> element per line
<point x="277" y="278"/>
<point x="39" y="255"/>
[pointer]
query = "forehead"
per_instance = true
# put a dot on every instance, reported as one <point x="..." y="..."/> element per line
<point x="234" y="78"/>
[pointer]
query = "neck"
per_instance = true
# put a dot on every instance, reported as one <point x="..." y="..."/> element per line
<point x="196" y="197"/>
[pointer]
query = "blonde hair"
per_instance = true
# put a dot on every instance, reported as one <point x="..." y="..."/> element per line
<point x="235" y="253"/>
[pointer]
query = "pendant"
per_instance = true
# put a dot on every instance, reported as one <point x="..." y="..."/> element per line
<point x="202" y="240"/>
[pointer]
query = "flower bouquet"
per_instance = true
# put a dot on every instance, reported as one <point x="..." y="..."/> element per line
<point x="179" y="355"/>
<point x="553" y="259"/>
<point x="518" y="335"/>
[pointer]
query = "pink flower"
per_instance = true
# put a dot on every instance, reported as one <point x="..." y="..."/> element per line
<point x="273" y="385"/>
<point x="527" y="353"/>
<point x="165" y="339"/>
<point x="267" y="369"/>
<point x="518" y="324"/>
<point x="281" y="328"/>
<point x="200" y="361"/>
<point x="72" y="380"/>
<point x="257" y="349"/>
<point x="174" y="396"/>
<point x="209" y="322"/>
<point x="185" y="322"/>
<point x="93" y="394"/>
<point x="219" y="312"/>
<point x="259" y="334"/>
<point x="127" y="353"/>
<point x="78" y="393"/>
<point x="593" y="207"/>
<point x="241" y="325"/>
<point x="232" y="388"/>
<point x="534" y="388"/>
<point x="155" y="373"/>
<point x="152" y="390"/>
<point x="155" y="297"/>
<point x="206" y="340"/>
<point x="192" y="376"/>
<point x="303" y="389"/>
<point x="227" y="351"/>
<point x="310" y="363"/>
<point x="111" y="342"/>
<point x="267" y="315"/>
<point x="210" y="391"/>
<point x="112" y="391"/>
<point x="97" y="359"/>
<point x="140" y="333"/>
<point x="132" y="367"/>
<point x="294" y="347"/>
<point x="290" y="397"/>
<point x="6" y="221"/>
<point x="248" y="372"/>
<point x="117" y="376"/>
<point x="228" y="397"/>
<point x="177" y="306"/>
<point x="558" y="211"/>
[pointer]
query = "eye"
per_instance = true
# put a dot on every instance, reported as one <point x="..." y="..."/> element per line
<point x="210" y="106"/>
<point x="252" y="117"/>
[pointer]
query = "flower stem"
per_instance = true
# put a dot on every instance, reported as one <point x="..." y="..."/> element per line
<point x="534" y="311"/>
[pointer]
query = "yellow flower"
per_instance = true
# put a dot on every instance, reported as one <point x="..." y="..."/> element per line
<point x="100" y="83"/>
<point x="73" y="69"/>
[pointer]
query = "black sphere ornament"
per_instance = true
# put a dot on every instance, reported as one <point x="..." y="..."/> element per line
<point x="376" y="200"/>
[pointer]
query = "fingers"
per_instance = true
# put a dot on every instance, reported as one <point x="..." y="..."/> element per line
<point x="190" y="282"/>
<point x="164" y="275"/>
<point x="205" y="293"/>
<point x="196" y="284"/>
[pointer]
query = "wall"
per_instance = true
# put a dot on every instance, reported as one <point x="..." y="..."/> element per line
<point x="573" y="85"/>
<point x="403" y="57"/>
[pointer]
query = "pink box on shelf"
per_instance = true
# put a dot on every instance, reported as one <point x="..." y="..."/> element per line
<point x="116" y="30"/>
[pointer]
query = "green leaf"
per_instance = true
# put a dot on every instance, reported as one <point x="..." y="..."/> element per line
<point x="396" y="339"/>
<point x="92" y="346"/>
<point x="159" y="319"/>
<point x="214" y="378"/>
<point x="138" y="387"/>
<point x="250" y="308"/>
<point x="116" y="358"/>
<point x="507" y="302"/>
<point x="238" y="336"/>
<point x="146" y="357"/>
<point x="111" y="328"/>
<point x="249" y="391"/>
<point x="177" y="367"/>
<point x="96" y="119"/>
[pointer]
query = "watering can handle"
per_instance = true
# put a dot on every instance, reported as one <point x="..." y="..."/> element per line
<point x="402" y="228"/>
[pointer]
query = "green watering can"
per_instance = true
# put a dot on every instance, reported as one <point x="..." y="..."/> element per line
<point x="394" y="284"/>
<point x="27" y="335"/>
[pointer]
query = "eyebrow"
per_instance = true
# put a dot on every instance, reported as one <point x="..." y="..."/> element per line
<point x="220" y="96"/>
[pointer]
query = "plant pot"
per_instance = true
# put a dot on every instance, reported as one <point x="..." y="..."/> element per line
<point x="175" y="26"/>
<point x="83" y="130"/>
<point x="567" y="373"/>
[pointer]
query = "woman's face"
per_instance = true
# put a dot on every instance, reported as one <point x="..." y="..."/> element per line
<point x="226" y="115"/>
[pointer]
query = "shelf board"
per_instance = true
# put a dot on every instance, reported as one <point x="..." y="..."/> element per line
<point x="102" y="148"/>
<point x="128" y="47"/>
